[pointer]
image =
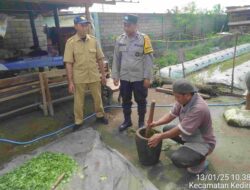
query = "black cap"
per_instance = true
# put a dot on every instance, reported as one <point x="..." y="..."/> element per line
<point x="130" y="19"/>
<point x="182" y="86"/>
<point x="81" y="20"/>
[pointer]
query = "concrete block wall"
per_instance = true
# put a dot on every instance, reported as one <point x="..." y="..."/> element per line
<point x="111" y="26"/>
<point x="19" y="34"/>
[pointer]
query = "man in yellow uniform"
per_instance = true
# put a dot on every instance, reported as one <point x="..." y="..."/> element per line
<point x="82" y="57"/>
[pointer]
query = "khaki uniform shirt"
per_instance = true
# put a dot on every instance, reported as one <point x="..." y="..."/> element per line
<point x="133" y="58"/>
<point x="83" y="55"/>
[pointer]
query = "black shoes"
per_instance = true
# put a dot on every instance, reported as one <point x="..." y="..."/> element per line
<point x="141" y="124"/>
<point x="125" y="125"/>
<point x="102" y="120"/>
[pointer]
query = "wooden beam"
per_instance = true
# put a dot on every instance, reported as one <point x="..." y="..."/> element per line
<point x="55" y="73"/>
<point x="57" y="24"/>
<point x="53" y="85"/>
<point x="18" y="95"/>
<point x="13" y="81"/>
<point x="88" y="17"/>
<point x="63" y="99"/>
<point x="70" y="3"/>
<point x="19" y="109"/>
<point x="19" y="87"/>
<point x="32" y="25"/>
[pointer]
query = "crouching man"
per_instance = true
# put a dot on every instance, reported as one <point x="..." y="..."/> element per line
<point x="194" y="131"/>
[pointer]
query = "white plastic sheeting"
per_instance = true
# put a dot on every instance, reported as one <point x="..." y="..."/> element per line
<point x="176" y="71"/>
<point x="225" y="77"/>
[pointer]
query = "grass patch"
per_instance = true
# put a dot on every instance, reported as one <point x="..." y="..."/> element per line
<point x="39" y="173"/>
<point x="238" y="61"/>
<point x="170" y="57"/>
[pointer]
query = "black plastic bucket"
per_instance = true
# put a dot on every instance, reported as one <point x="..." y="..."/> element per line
<point x="147" y="156"/>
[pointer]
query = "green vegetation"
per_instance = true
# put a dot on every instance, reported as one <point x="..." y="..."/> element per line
<point x="238" y="61"/>
<point x="40" y="172"/>
<point x="170" y="57"/>
<point x="195" y="33"/>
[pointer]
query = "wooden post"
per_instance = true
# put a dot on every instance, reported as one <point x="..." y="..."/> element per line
<point x="150" y="118"/>
<point x="181" y="59"/>
<point x="235" y="46"/>
<point x="248" y="101"/>
<point x="162" y="27"/>
<point x="167" y="45"/>
<point x="193" y="39"/>
<point x="88" y="17"/>
<point x="248" y="91"/>
<point x="48" y="94"/>
<point x="159" y="69"/>
<point x="57" y="24"/>
<point x="44" y="104"/>
<point x="32" y="25"/>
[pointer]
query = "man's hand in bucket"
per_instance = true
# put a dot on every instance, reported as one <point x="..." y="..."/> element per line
<point x="154" y="140"/>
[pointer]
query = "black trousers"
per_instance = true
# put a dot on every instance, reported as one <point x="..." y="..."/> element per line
<point x="184" y="157"/>
<point x="140" y="94"/>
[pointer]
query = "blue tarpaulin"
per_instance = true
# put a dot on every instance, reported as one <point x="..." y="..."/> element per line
<point x="32" y="63"/>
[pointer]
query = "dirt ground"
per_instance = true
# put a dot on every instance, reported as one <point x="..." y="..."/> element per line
<point x="230" y="157"/>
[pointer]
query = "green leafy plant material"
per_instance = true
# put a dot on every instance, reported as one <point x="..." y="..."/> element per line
<point x="39" y="173"/>
<point x="170" y="56"/>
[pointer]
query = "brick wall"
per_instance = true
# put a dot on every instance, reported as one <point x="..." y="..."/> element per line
<point x="111" y="26"/>
<point x="157" y="26"/>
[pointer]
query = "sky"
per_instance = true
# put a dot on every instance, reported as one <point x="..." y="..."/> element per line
<point x="161" y="6"/>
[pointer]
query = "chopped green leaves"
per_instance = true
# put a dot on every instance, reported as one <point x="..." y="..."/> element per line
<point x="40" y="172"/>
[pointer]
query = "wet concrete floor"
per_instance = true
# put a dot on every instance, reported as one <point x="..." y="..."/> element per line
<point x="231" y="156"/>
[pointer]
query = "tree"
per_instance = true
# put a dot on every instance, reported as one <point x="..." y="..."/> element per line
<point x="191" y="8"/>
<point x="217" y="10"/>
<point x="188" y="20"/>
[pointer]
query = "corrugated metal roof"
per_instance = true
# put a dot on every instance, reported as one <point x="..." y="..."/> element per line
<point x="46" y="5"/>
<point x="238" y="9"/>
<point x="64" y="2"/>
<point x="239" y="23"/>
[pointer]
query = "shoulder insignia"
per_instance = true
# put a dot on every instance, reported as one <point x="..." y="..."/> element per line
<point x="147" y="45"/>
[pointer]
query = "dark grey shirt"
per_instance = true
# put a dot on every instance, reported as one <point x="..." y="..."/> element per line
<point x="195" y="124"/>
<point x="130" y="63"/>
